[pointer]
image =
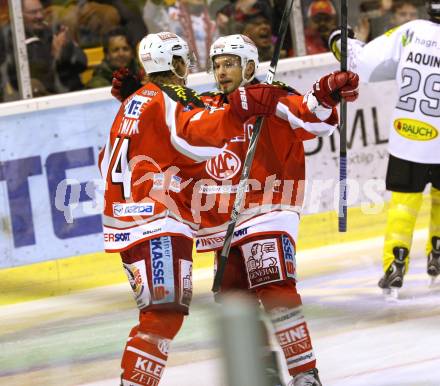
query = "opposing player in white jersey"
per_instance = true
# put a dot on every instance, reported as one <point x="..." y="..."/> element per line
<point x="410" y="54"/>
<point x="158" y="133"/>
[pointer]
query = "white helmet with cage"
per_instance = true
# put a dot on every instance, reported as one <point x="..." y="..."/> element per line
<point x="239" y="45"/>
<point x="156" y="52"/>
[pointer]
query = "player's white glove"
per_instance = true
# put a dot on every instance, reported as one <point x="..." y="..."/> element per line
<point x="334" y="41"/>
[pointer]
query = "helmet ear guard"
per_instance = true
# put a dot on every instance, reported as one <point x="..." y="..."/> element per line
<point x="156" y="53"/>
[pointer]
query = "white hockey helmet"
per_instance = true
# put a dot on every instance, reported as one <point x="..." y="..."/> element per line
<point x="156" y="52"/>
<point x="239" y="45"/>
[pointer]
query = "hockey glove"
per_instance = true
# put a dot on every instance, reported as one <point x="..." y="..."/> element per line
<point x="339" y="84"/>
<point x="125" y="83"/>
<point x="255" y="100"/>
<point x="334" y="41"/>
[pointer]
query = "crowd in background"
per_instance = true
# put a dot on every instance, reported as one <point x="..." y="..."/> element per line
<point x="77" y="44"/>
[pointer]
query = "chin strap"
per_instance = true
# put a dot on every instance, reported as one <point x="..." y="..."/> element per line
<point x="244" y="80"/>
<point x="184" y="76"/>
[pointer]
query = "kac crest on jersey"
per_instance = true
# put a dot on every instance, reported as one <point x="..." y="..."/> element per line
<point x="224" y="166"/>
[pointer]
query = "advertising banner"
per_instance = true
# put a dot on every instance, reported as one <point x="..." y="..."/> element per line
<point x="42" y="154"/>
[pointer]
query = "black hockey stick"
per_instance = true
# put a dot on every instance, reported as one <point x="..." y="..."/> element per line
<point x="221" y="263"/>
<point x="342" y="215"/>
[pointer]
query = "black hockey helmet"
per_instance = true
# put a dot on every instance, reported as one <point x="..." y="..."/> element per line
<point x="433" y="9"/>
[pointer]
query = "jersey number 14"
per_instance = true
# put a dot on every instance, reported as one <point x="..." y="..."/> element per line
<point x="121" y="173"/>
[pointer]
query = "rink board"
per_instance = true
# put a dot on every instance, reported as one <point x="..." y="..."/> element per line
<point x="62" y="276"/>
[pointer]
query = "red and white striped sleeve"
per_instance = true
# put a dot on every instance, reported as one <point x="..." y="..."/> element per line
<point x="200" y="133"/>
<point x="305" y="113"/>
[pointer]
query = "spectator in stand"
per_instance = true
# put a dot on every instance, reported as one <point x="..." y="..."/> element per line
<point x="4" y="13"/>
<point x="118" y="53"/>
<point x="403" y="11"/>
<point x="87" y="21"/>
<point x="321" y="20"/>
<point x="90" y="21"/>
<point x="390" y="15"/>
<point x="4" y="21"/>
<point x="257" y="25"/>
<point x="55" y="61"/>
<point x="2" y="60"/>
<point x="131" y="18"/>
<point x="252" y="19"/>
<point x="228" y="14"/>
<point x="277" y="14"/>
<point x="189" y="19"/>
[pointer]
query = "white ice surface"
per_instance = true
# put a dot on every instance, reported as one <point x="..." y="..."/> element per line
<point x="359" y="338"/>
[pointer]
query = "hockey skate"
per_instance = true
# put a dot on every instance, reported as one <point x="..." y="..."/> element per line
<point x="433" y="267"/>
<point x="392" y="280"/>
<point x="308" y="378"/>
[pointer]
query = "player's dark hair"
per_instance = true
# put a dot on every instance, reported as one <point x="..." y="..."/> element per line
<point x="160" y="77"/>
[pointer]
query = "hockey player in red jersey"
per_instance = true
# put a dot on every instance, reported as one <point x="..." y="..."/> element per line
<point x="158" y="134"/>
<point x="262" y="257"/>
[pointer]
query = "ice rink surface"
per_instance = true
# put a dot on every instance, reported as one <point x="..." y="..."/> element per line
<point x="360" y="339"/>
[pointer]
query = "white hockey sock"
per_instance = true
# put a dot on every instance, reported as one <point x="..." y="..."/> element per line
<point x="294" y="338"/>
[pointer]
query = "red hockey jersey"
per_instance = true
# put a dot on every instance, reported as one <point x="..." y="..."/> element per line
<point x="274" y="195"/>
<point x="157" y="135"/>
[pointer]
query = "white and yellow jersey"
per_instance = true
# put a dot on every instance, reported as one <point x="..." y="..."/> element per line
<point x="410" y="54"/>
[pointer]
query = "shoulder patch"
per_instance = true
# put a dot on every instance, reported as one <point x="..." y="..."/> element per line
<point x="286" y="87"/>
<point x="182" y="94"/>
<point x="211" y="93"/>
<point x="214" y="98"/>
<point x="390" y="31"/>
